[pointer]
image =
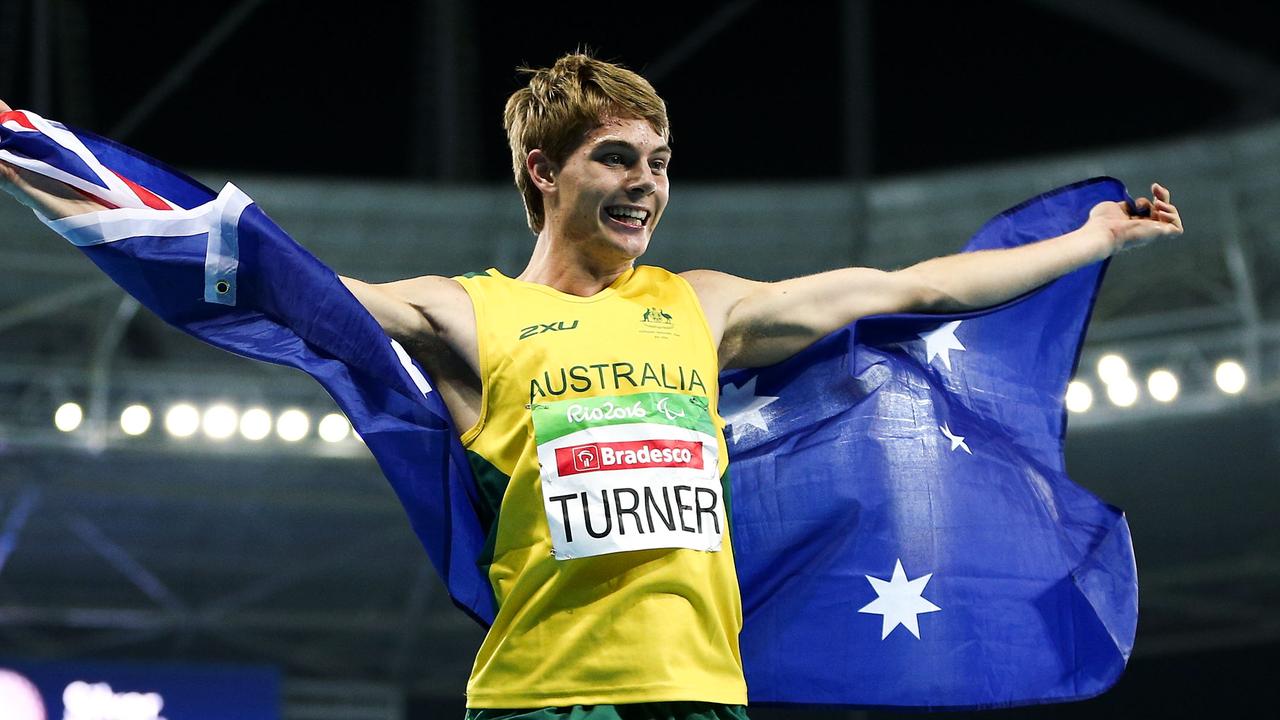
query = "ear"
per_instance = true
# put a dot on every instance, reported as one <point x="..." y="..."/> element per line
<point x="542" y="170"/>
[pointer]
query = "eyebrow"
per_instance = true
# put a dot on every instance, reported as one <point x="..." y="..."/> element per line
<point x="664" y="148"/>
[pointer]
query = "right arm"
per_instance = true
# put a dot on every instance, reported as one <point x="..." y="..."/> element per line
<point x="432" y="317"/>
<point x="420" y="309"/>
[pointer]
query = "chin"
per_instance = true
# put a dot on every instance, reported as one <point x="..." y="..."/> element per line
<point x="631" y="244"/>
<point x="634" y="246"/>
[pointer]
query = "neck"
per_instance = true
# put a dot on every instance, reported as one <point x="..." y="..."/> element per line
<point x="564" y="267"/>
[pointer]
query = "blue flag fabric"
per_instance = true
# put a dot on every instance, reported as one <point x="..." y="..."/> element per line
<point x="905" y="531"/>
<point x="927" y="447"/>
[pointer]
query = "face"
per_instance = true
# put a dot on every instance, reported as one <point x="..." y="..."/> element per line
<point x="609" y="194"/>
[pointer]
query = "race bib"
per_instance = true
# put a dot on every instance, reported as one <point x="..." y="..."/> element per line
<point x="635" y="472"/>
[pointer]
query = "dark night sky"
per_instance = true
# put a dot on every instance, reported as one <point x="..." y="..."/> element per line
<point x="954" y="82"/>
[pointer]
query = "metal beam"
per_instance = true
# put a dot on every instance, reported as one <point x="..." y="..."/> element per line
<point x="328" y="623"/>
<point x="37" y="308"/>
<point x="693" y="41"/>
<point x="857" y="78"/>
<point x="1159" y="32"/>
<point x="1241" y="273"/>
<point x="313" y="661"/>
<point x="268" y="586"/>
<point x="10" y="42"/>
<point x="1178" y="643"/>
<point x="181" y="71"/>
<point x="15" y="521"/>
<point x="126" y="564"/>
<point x="100" y="370"/>
<point x="402" y="654"/>
<point x="66" y="266"/>
<point x="41" y="57"/>
<point x="859" y="131"/>
<point x="75" y="100"/>
<point x="444" y="139"/>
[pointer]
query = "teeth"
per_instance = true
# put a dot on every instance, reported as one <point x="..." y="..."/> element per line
<point x="628" y="212"/>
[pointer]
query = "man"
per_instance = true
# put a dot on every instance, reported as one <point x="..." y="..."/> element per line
<point x="584" y="392"/>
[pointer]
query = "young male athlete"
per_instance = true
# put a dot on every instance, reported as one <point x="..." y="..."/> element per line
<point x="585" y="391"/>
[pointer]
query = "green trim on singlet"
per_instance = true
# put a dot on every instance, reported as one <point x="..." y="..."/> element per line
<point x="675" y="710"/>
<point x="476" y="273"/>
<point x="492" y="484"/>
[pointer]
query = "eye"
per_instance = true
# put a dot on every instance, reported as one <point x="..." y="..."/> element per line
<point x="612" y="159"/>
<point x="659" y="165"/>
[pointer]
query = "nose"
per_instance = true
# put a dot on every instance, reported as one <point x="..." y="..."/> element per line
<point x="642" y="183"/>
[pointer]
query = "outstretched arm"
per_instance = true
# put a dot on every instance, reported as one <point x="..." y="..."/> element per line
<point x="759" y="324"/>
<point x="431" y="316"/>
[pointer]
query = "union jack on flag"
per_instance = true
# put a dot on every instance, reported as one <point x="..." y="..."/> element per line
<point x="67" y="159"/>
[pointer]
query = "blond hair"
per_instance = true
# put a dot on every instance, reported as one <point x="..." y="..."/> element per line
<point x="564" y="102"/>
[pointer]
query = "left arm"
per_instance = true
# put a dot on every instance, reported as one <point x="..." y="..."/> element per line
<point x="757" y="323"/>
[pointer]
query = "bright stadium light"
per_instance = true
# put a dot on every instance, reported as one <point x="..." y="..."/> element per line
<point x="1122" y="392"/>
<point x="135" y="419"/>
<point x="255" y="424"/>
<point x="1230" y="377"/>
<point x="1079" y="397"/>
<point x="1112" y="368"/>
<point x="334" y="427"/>
<point x="220" y="421"/>
<point x="292" y="425"/>
<point x="68" y="417"/>
<point x="1163" y="385"/>
<point x="182" y="420"/>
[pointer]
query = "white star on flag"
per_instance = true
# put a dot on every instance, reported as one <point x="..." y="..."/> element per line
<point x="900" y="601"/>
<point x="940" y="341"/>
<point x="957" y="441"/>
<point x="740" y="406"/>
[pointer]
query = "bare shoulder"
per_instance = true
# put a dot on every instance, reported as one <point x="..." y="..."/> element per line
<point x="428" y="311"/>
<point x="433" y="318"/>
<point x="719" y="291"/>
<point x="445" y="310"/>
<point x="440" y="299"/>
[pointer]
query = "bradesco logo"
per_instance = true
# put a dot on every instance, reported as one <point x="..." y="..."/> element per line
<point x="628" y="455"/>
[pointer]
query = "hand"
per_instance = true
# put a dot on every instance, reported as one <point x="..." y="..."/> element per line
<point x="49" y="197"/>
<point x="1127" y="231"/>
<point x="8" y="173"/>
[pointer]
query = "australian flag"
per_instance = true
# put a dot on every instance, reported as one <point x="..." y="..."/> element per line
<point x="905" y="530"/>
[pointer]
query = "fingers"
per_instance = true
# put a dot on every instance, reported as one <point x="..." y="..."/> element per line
<point x="8" y="174"/>
<point x="1165" y="212"/>
<point x="1162" y="209"/>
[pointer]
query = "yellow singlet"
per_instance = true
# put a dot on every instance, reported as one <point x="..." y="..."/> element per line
<point x="602" y="458"/>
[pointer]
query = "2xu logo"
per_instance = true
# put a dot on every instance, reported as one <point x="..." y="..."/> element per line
<point x="628" y="455"/>
<point x="540" y="328"/>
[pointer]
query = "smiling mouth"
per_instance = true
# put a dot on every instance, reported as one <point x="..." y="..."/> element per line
<point x="628" y="216"/>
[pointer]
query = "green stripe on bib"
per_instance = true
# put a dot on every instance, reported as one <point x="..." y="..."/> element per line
<point x="557" y="419"/>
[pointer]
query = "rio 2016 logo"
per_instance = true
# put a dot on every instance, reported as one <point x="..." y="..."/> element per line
<point x="605" y="411"/>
